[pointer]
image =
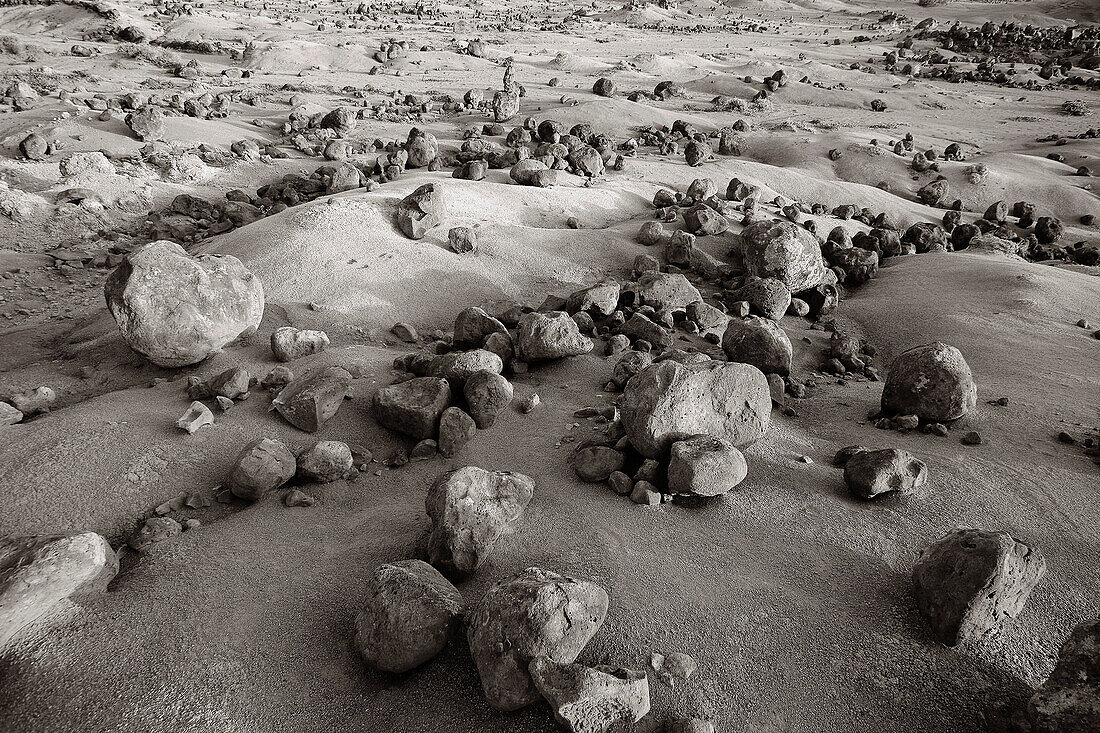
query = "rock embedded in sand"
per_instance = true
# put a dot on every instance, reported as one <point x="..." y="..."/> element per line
<point x="421" y="210"/>
<point x="704" y="465"/>
<point x="969" y="581"/>
<point x="1069" y="700"/>
<point x="409" y="613"/>
<point x="462" y="240"/>
<point x="422" y="148"/>
<point x="147" y="123"/>
<point x="689" y="725"/>
<point x="175" y="309"/>
<point x="153" y="531"/>
<point x="310" y="401"/>
<point x="38" y="572"/>
<point x="932" y="381"/>
<point x="783" y="251"/>
<point x="870" y="473"/>
<point x="766" y="296"/>
<point x="600" y="300"/>
<point x="536" y="613"/>
<point x="289" y="343"/>
<point x="670" y="401"/>
<point x="546" y="336"/>
<point x="591" y="699"/>
<point x="9" y="415"/>
<point x="325" y="461"/>
<point x="760" y="342"/>
<point x="596" y="463"/>
<point x="263" y="465"/>
<point x="604" y="87"/>
<point x="487" y="394"/>
<point x="505" y="106"/>
<point x="470" y="508"/>
<point x="34" y="147"/>
<point x="456" y="428"/>
<point x="197" y="416"/>
<point x="413" y="407"/>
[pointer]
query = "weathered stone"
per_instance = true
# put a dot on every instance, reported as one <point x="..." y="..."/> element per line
<point x="869" y="473"/>
<point x="597" y="462"/>
<point x="409" y="613"/>
<point x="544" y="336"/>
<point x="326" y="460"/>
<point x="1069" y="701"/>
<point x="197" y="416"/>
<point x="487" y="396"/>
<point x="666" y="291"/>
<point x="969" y="581"/>
<point x="760" y="342"/>
<point x="175" y="309"/>
<point x="154" y="530"/>
<point x="670" y="401"/>
<point x="591" y="699"/>
<point x="472" y="325"/>
<point x="600" y="300"/>
<point x="470" y="508"/>
<point x="413" y="407"/>
<point x="262" y="466"/>
<point x="456" y="428"/>
<point x="932" y="382"/>
<point x="704" y="465"/>
<point x="421" y="210"/>
<point x="532" y="614"/>
<point x="289" y="343"/>
<point x="784" y="251"/>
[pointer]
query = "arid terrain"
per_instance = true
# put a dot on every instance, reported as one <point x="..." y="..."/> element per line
<point x="784" y="198"/>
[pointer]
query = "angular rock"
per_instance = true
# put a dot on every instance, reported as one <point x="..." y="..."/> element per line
<point x="421" y="210"/>
<point x="670" y="401"/>
<point x="545" y="336"/>
<point x="970" y="580"/>
<point x="666" y="291"/>
<point x="1069" y="701"/>
<point x="326" y="460"/>
<point x="289" y="343"/>
<point x="472" y="325"/>
<point x="536" y="613"/>
<point x="760" y="342"/>
<point x="869" y="473"/>
<point x="409" y="613"/>
<point x="591" y="699"/>
<point x="39" y="572"/>
<point x="413" y="407"/>
<point x="175" y="309"/>
<point x="458" y="366"/>
<point x="600" y="300"/>
<point x="487" y="396"/>
<point x="310" y="401"/>
<point x="470" y="508"/>
<point x="456" y="428"/>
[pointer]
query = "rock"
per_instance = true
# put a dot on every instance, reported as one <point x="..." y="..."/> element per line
<point x="327" y="460"/>
<point x="310" y="401"/>
<point x="646" y="494"/>
<point x="470" y="508"/>
<point x="39" y="572"/>
<point x="456" y="428"/>
<point x="487" y="396"/>
<point x="197" y="416"/>
<point x="604" y="87"/>
<point x="785" y="252"/>
<point x="932" y="382"/>
<point x="288" y="343"/>
<point x="458" y="366"/>
<point x="34" y="147"/>
<point x="262" y="466"/>
<point x="462" y="240"/>
<point x="406" y="332"/>
<point x="767" y="297"/>
<point x="673" y="668"/>
<point x="231" y="384"/>
<point x="641" y="328"/>
<point x="760" y="342"/>
<point x="529" y="403"/>
<point x="869" y="473"/>
<point x="969" y="581"/>
<point x="689" y="725"/>
<point x="177" y="310"/>
<point x="472" y="325"/>
<point x="298" y="498"/>
<point x="597" y="462"/>
<point x="424" y="450"/>
<point x="35" y="401"/>
<point x="666" y="291"/>
<point x="409" y="613"/>
<point x="591" y="699"/>
<point x="147" y="123"/>
<point x="620" y="482"/>
<point x="9" y="415"/>
<point x="1069" y="701"/>
<point x="341" y="120"/>
<point x="413" y="407"/>
<point x="670" y="401"/>
<point x="697" y="152"/>
<point x="536" y="613"/>
<point x="599" y="300"/>
<point x="629" y="364"/>
<point x="422" y="148"/>
<point x="505" y="106"/>
<point x="704" y="465"/>
<point x="545" y="336"/>
<point x="421" y="210"/>
<point x="154" y="530"/>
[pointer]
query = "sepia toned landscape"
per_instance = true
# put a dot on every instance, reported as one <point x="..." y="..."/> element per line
<point x="508" y="366"/>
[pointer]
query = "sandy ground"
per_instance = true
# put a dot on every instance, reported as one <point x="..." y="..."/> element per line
<point x="794" y="598"/>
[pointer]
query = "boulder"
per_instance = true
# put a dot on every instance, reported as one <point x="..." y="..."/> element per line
<point x="456" y="427"/>
<point x="554" y="335"/>
<point x="932" y="382"/>
<point x="1069" y="701"/>
<point x="39" y="572"/>
<point x="175" y="309"/>
<point x="472" y="325"/>
<point x="784" y="251"/>
<point x="413" y="407"/>
<point x="760" y="342"/>
<point x="310" y="401"/>
<point x="326" y="460"/>
<point x="458" y="366"/>
<point x="597" y="462"/>
<point x="409" y="613"/>
<point x="969" y="581"/>
<point x="870" y="473"/>
<point x="670" y="401"/>
<point x="704" y="465"/>
<point x="536" y="613"/>
<point x="487" y="394"/>
<point x="664" y="290"/>
<point x="262" y="466"/>
<point x="591" y="699"/>
<point x="470" y="508"/>
<point x="600" y="300"/>
<point x="146" y="123"/>
<point x="421" y="210"/>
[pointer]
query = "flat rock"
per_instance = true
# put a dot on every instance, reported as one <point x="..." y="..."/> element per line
<point x="310" y="401"/>
<point x="704" y="465"/>
<point x="870" y="473"/>
<point x="591" y="699"/>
